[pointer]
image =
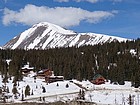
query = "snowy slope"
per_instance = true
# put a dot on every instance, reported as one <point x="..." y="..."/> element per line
<point x="105" y="94"/>
<point x="51" y="90"/>
<point x="46" y="35"/>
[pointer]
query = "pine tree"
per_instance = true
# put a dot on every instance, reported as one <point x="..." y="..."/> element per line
<point x="81" y="94"/>
<point x="22" y="98"/>
<point x="44" y="90"/>
<point x="67" y="86"/>
<point x="27" y="90"/>
<point x="15" y="91"/>
<point x="0" y="90"/>
<point x="130" y="100"/>
<point x="7" y="89"/>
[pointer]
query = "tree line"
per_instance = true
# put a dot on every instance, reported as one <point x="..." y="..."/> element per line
<point x="116" y="61"/>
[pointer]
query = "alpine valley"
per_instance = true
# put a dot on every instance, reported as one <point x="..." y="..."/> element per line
<point x="49" y="65"/>
<point x="46" y="35"/>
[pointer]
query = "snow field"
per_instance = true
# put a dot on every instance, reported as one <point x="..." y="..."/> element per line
<point x="102" y="94"/>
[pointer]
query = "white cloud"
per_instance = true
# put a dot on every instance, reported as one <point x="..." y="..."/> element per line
<point x="91" y="1"/>
<point x="1" y="10"/>
<point x="61" y="0"/>
<point x="5" y="1"/>
<point x="117" y="0"/>
<point x="63" y="16"/>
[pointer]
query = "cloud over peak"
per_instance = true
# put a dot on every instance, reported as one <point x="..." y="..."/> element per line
<point x="90" y="1"/>
<point x="63" y="16"/>
<point x="61" y="0"/>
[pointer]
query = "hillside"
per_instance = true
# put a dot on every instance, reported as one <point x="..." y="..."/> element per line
<point x="110" y="93"/>
<point x="117" y="62"/>
<point x="46" y="35"/>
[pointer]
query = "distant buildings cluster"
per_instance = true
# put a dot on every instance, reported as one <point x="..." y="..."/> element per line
<point x="46" y="74"/>
<point x="49" y="76"/>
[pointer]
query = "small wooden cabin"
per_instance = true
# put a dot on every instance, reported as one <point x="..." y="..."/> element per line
<point x="26" y="69"/>
<point x="50" y="79"/>
<point x="45" y="72"/>
<point x="98" y="79"/>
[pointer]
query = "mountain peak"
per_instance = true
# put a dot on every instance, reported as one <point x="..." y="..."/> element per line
<point x="53" y="27"/>
<point x="46" y="35"/>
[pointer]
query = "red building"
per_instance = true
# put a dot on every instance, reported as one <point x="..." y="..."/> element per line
<point x="45" y="72"/>
<point x="98" y="79"/>
<point x="49" y="76"/>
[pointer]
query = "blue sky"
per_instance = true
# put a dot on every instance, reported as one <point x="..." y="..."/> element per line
<point x="113" y="17"/>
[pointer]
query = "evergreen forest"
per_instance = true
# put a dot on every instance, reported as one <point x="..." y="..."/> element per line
<point x="115" y="61"/>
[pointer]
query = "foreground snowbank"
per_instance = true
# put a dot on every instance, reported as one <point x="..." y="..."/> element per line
<point x="68" y="90"/>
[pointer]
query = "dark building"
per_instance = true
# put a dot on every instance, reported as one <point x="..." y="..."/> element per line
<point x="98" y="79"/>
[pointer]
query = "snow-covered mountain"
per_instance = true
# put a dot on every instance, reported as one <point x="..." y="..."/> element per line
<point x="46" y="35"/>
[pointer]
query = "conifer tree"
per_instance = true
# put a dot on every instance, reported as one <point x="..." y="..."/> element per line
<point x="7" y="89"/>
<point x="67" y="85"/>
<point x="15" y="91"/>
<point x="27" y="91"/>
<point x="44" y="90"/>
<point x="0" y="90"/>
<point x="130" y="100"/>
<point x="57" y="84"/>
<point x="22" y="98"/>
